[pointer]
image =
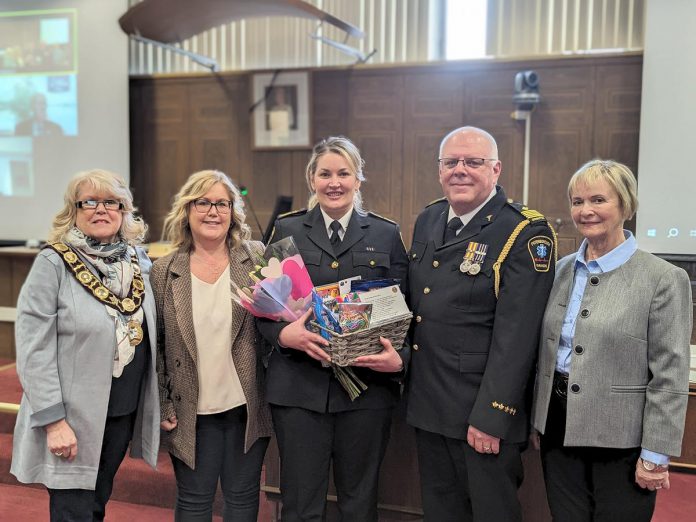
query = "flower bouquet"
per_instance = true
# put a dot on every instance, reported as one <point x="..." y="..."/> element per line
<point x="282" y="291"/>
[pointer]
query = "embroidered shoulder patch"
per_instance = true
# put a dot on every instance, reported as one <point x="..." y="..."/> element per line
<point x="540" y="248"/>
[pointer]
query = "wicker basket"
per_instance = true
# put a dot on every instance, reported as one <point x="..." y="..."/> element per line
<point x="345" y="348"/>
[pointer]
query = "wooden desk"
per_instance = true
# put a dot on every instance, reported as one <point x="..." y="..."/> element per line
<point x="15" y="263"/>
<point x="687" y="461"/>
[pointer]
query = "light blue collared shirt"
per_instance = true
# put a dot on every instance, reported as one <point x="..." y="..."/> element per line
<point x="608" y="262"/>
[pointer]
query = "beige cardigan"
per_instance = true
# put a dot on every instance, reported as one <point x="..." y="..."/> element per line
<point x="177" y="352"/>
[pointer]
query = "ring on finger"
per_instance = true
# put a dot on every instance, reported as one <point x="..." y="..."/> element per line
<point x="58" y="453"/>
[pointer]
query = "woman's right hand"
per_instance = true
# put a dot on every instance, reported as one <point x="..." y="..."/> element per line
<point x="297" y="337"/>
<point x="61" y="440"/>
<point x="169" y="424"/>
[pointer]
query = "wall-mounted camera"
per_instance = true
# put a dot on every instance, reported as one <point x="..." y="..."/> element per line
<point x="526" y="90"/>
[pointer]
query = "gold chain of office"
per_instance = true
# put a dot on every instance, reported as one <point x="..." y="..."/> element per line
<point x="127" y="305"/>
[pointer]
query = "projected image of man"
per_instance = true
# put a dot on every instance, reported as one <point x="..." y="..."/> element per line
<point x="38" y="124"/>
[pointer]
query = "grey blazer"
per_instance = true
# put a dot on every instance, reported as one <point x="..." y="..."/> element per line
<point x="65" y="352"/>
<point x="632" y="370"/>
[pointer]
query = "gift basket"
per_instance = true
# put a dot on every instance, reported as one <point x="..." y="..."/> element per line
<point x="345" y="348"/>
<point x="351" y="314"/>
<point x="354" y="316"/>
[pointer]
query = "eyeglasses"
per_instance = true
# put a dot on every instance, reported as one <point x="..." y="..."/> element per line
<point x="92" y="204"/>
<point x="203" y="205"/>
<point x="472" y="163"/>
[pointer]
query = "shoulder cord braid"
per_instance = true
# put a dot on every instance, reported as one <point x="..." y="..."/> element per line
<point x="504" y="253"/>
<point x="555" y="243"/>
<point x="508" y="246"/>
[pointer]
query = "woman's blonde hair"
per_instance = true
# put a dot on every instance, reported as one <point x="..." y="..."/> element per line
<point x="617" y="175"/>
<point x="176" y="224"/>
<point x="133" y="228"/>
<point x="347" y="150"/>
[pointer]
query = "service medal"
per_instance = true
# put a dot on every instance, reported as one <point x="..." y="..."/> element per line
<point x="465" y="266"/>
<point x="475" y="255"/>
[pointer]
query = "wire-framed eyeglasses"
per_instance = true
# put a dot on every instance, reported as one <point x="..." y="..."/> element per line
<point x="203" y="205"/>
<point x="92" y="204"/>
<point x="472" y="163"/>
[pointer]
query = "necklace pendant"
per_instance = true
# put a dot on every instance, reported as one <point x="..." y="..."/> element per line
<point x="135" y="332"/>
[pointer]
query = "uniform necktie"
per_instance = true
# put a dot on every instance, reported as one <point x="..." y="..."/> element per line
<point x="335" y="239"/>
<point x="453" y="225"/>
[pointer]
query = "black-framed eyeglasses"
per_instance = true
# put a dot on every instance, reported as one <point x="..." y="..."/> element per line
<point x="203" y="205"/>
<point x="472" y="163"/>
<point x="92" y="204"/>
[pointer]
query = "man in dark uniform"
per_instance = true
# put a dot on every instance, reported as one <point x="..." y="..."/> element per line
<point x="481" y="268"/>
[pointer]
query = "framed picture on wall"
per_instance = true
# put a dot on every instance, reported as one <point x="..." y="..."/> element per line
<point x="281" y="118"/>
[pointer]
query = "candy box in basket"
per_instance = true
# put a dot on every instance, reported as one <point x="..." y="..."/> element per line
<point x="389" y="318"/>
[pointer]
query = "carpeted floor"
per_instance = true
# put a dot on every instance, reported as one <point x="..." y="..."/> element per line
<point x="141" y="494"/>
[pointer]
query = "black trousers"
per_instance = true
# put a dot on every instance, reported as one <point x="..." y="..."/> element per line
<point x="84" y="505"/>
<point x="220" y="456"/>
<point x="308" y="442"/>
<point x="587" y="484"/>
<point x="459" y="484"/>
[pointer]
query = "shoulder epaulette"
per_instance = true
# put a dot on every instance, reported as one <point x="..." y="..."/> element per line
<point x="292" y="213"/>
<point x="532" y="215"/>
<point x="435" y="201"/>
<point x="374" y="214"/>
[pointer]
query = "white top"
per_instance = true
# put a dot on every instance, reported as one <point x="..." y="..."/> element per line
<point x="219" y="388"/>
<point x="469" y="215"/>
<point x="344" y="220"/>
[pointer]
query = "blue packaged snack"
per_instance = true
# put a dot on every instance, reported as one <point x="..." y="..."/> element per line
<point x="373" y="284"/>
<point x="323" y="317"/>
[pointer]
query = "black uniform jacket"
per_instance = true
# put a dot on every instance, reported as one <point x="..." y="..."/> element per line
<point x="372" y="248"/>
<point x="472" y="354"/>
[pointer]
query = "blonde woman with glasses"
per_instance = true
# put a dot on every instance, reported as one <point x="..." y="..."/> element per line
<point x="210" y="374"/>
<point x="85" y="336"/>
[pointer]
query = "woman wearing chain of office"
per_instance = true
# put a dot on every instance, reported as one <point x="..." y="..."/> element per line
<point x="85" y="336"/>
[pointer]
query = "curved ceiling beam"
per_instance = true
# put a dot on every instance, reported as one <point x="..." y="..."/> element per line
<point x="172" y="21"/>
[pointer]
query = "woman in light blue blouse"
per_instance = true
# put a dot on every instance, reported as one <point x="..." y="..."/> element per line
<point x="612" y="382"/>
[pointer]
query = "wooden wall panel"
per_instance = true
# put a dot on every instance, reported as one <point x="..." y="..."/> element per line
<point x="330" y="103"/>
<point x="397" y="115"/>
<point x="617" y="113"/>
<point x="375" y="124"/>
<point x="432" y="107"/>
<point x="382" y="184"/>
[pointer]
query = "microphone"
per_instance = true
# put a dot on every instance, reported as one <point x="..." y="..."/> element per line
<point x="245" y="194"/>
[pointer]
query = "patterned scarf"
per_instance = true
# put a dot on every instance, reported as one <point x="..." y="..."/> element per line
<point x="112" y="261"/>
